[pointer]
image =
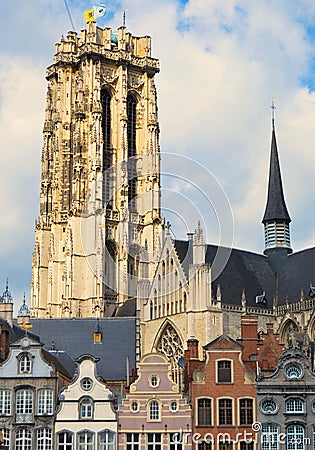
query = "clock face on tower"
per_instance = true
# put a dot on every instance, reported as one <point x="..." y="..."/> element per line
<point x="293" y="371"/>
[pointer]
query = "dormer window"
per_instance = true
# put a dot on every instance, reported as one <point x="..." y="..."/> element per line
<point x="25" y="363"/>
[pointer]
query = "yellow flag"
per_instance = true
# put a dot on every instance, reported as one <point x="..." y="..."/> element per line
<point x="89" y="15"/>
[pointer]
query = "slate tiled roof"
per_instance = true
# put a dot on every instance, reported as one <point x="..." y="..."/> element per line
<point x="276" y="272"/>
<point x="75" y="337"/>
<point x="276" y="208"/>
<point x="128" y="309"/>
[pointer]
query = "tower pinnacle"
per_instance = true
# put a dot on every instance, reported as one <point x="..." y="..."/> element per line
<point x="276" y="219"/>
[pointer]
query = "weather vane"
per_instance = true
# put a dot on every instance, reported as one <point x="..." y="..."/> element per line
<point x="273" y="107"/>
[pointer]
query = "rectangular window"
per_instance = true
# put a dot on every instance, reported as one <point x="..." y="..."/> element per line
<point x="154" y="441"/>
<point x="224" y="372"/>
<point x="176" y="441"/>
<point x="24" y="401"/>
<point x="246" y="411"/>
<point x="5" y="402"/>
<point x="132" y="441"/>
<point x="246" y="445"/>
<point x="225" y="411"/>
<point x="226" y="446"/>
<point x="204" y="445"/>
<point x="204" y="412"/>
<point x="45" y="401"/>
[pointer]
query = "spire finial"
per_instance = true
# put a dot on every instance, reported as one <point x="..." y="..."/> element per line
<point x="124" y="17"/>
<point x="273" y="107"/>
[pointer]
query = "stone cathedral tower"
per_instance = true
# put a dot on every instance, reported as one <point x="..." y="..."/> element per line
<point x="100" y="182"/>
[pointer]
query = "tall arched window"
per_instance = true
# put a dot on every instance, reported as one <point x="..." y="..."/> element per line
<point x="86" y="408"/>
<point x="170" y="345"/>
<point x="85" y="440"/>
<point x="23" y="439"/>
<point x="269" y="436"/>
<point x="65" y="440"/>
<point x="107" y="151"/>
<point x="25" y="363"/>
<point x="106" y="440"/>
<point x="44" y="439"/>
<point x="132" y="151"/>
<point x="295" y="437"/>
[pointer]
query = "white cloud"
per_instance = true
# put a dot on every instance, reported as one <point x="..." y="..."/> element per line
<point x="221" y="63"/>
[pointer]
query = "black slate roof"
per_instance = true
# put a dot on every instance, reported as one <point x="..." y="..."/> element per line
<point x="276" y="273"/>
<point x="75" y="337"/>
<point x="276" y="208"/>
<point x="127" y="309"/>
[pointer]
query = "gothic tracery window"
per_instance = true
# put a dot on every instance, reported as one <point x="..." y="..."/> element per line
<point x="132" y="151"/>
<point x="107" y="152"/>
<point x="170" y="345"/>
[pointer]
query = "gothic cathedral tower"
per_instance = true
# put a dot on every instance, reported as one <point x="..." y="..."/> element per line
<point x="100" y="182"/>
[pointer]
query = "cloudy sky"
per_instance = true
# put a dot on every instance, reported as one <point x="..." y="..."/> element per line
<point x="222" y="61"/>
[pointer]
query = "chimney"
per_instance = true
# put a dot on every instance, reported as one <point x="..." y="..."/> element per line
<point x="4" y="340"/>
<point x="192" y="346"/>
<point x="249" y="327"/>
<point x="269" y="328"/>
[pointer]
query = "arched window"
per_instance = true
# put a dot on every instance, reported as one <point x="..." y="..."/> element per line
<point x="294" y="405"/>
<point x="6" y="437"/>
<point x="295" y="437"/>
<point x="269" y="436"/>
<point x="85" y="440"/>
<point x="25" y="363"/>
<point x="132" y="150"/>
<point x="151" y="309"/>
<point x="185" y="302"/>
<point x="23" y="439"/>
<point x="154" y="410"/>
<point x="106" y="440"/>
<point x="86" y="408"/>
<point x="107" y="151"/>
<point x="170" y="345"/>
<point x="44" y="439"/>
<point x="65" y="440"/>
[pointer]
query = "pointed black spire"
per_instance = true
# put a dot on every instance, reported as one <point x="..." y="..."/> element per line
<point x="276" y="208"/>
<point x="276" y="219"/>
